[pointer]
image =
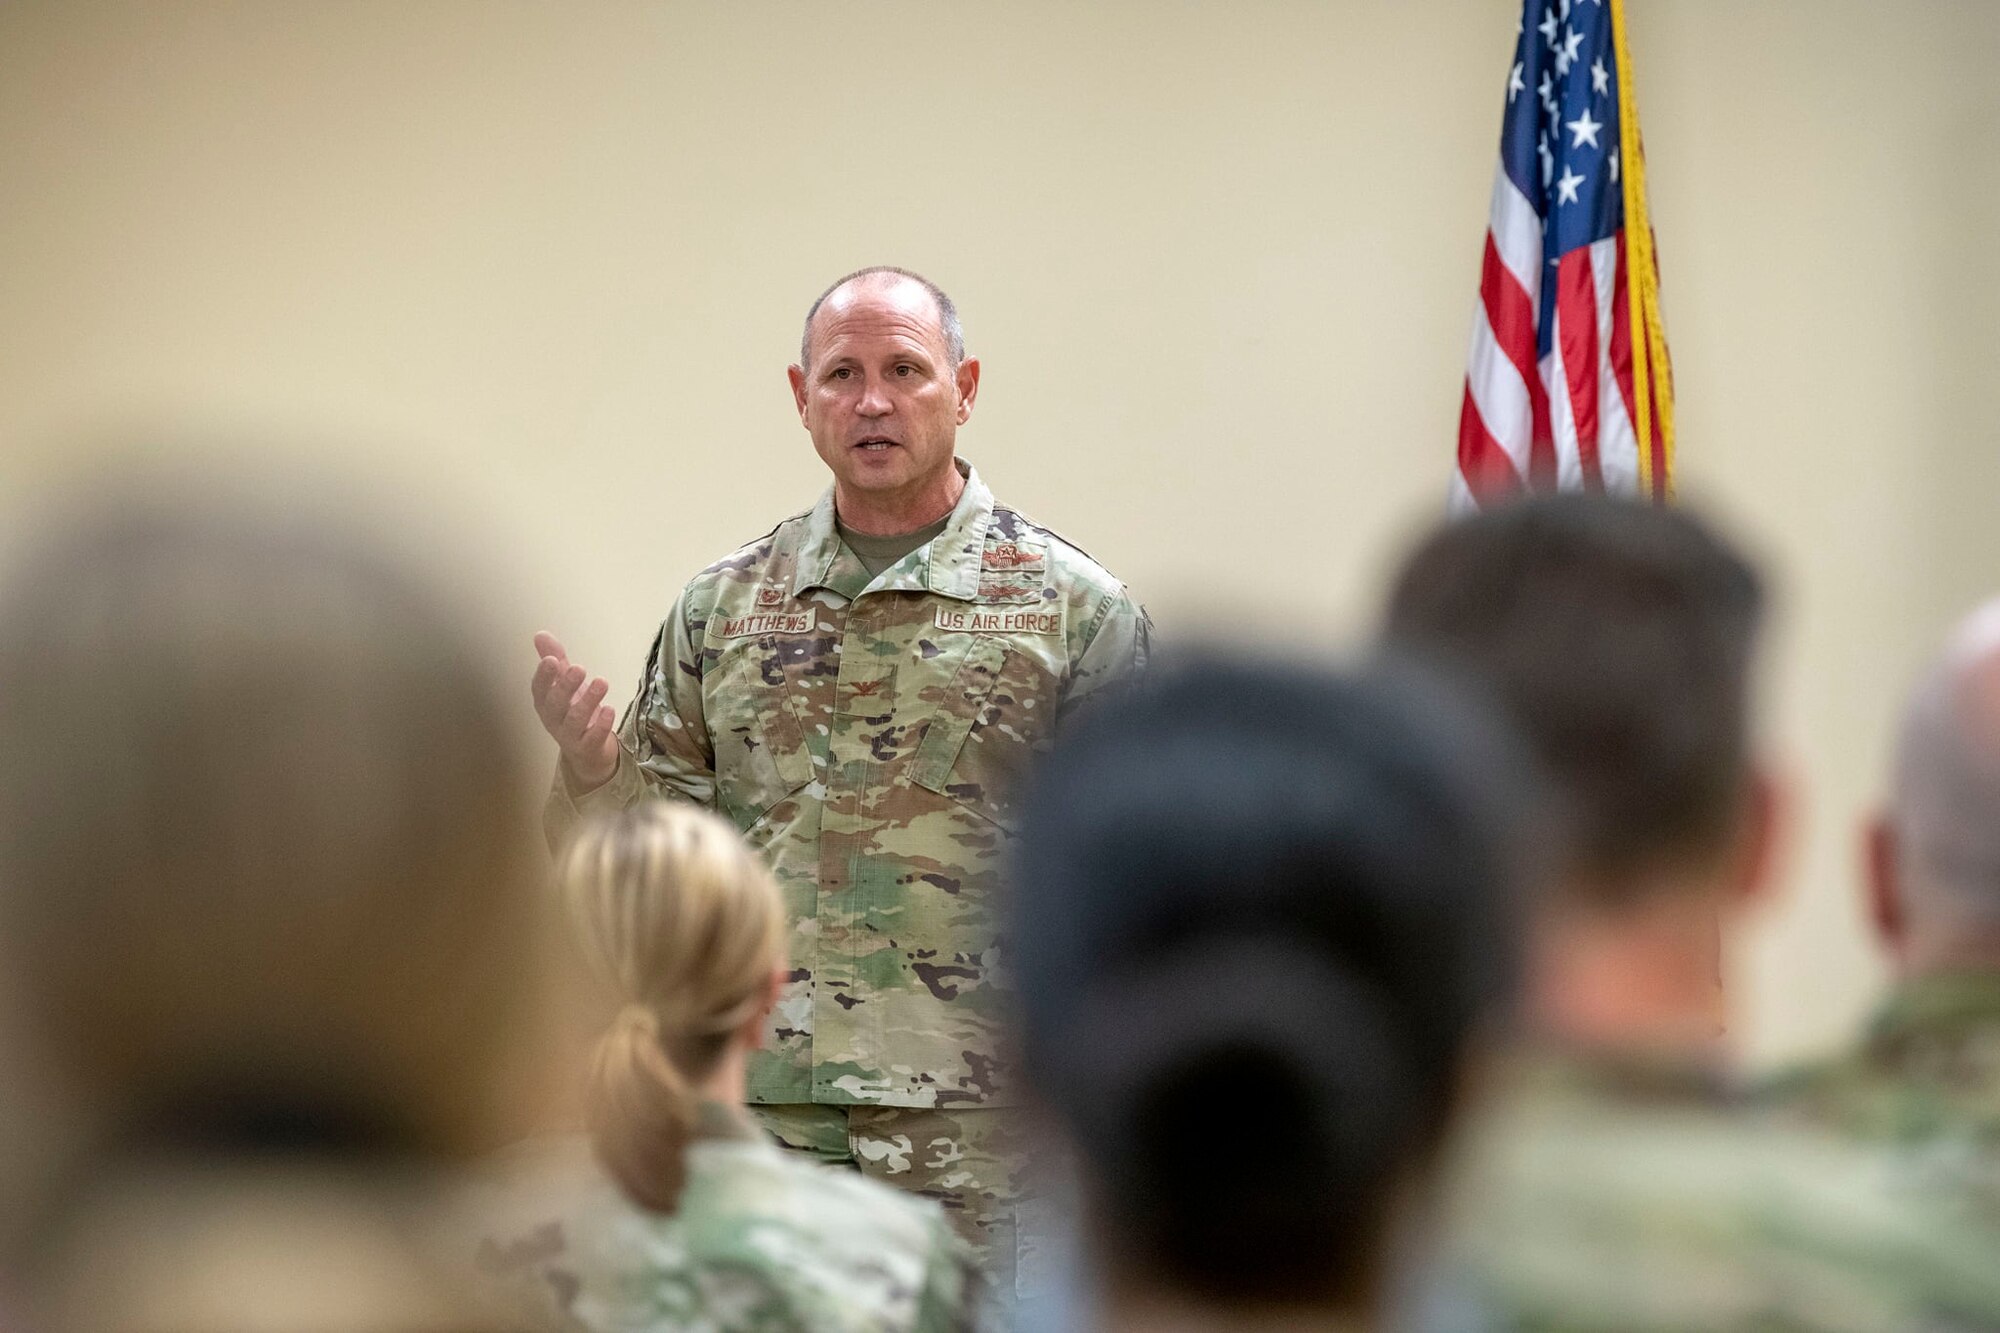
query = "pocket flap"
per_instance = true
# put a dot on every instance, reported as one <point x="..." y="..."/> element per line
<point x="931" y="768"/>
<point x="787" y="741"/>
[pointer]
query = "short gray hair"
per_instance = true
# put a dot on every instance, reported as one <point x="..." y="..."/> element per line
<point x="1946" y="805"/>
<point x="954" y="332"/>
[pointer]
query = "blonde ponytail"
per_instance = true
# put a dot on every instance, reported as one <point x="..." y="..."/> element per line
<point x="641" y="1112"/>
<point x="683" y="921"/>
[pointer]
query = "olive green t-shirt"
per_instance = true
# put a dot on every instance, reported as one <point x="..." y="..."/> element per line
<point x="878" y="553"/>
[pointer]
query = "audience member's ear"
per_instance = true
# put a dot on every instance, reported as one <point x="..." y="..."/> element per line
<point x="1752" y="876"/>
<point x="753" y="1027"/>
<point x="1882" y="883"/>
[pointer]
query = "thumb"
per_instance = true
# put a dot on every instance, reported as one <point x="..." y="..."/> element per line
<point x="548" y="645"/>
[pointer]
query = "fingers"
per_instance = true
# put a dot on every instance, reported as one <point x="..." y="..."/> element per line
<point x="550" y="704"/>
<point x="570" y="704"/>
<point x="568" y="681"/>
<point x="584" y="705"/>
<point x="598" y="744"/>
<point x="556" y="695"/>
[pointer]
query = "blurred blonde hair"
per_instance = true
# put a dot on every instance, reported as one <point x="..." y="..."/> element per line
<point x="678" y="917"/>
<point x="267" y="869"/>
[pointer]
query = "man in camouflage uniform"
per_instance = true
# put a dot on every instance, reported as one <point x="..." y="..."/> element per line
<point x="859" y="690"/>
<point x="1926" y="1077"/>
<point x="1619" y="1182"/>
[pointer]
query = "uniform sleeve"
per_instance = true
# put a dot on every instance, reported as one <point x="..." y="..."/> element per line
<point x="664" y="748"/>
<point x="1115" y="654"/>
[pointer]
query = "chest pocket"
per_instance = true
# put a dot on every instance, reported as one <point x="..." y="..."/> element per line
<point x="995" y="717"/>
<point x="760" y="746"/>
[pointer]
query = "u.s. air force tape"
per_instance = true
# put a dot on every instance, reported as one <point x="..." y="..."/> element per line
<point x="982" y="620"/>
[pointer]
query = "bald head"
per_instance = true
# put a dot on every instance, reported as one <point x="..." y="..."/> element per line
<point x="887" y="277"/>
<point x="1946" y="805"/>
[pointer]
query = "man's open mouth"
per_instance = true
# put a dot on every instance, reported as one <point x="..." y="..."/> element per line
<point x="874" y="444"/>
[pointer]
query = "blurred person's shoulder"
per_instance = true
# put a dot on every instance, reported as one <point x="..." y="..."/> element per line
<point x="1602" y="1196"/>
<point x="857" y="1253"/>
<point x="1925" y="1074"/>
<point x="760" y="1242"/>
<point x="271" y="1245"/>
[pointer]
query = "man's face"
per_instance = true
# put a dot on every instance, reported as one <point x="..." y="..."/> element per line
<point x="881" y="398"/>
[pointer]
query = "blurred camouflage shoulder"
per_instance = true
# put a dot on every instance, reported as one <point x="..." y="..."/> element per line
<point x="761" y="1243"/>
<point x="1927" y="1071"/>
<point x="1598" y="1199"/>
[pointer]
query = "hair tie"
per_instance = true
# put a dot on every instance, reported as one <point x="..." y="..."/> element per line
<point x="637" y="1016"/>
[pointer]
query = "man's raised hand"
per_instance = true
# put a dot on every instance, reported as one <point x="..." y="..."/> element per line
<point x="571" y="705"/>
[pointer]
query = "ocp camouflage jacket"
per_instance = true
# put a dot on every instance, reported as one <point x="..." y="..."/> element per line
<point x="869" y="735"/>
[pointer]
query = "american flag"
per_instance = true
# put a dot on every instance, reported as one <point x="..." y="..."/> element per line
<point x="1554" y="398"/>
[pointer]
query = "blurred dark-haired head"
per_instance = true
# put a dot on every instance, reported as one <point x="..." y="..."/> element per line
<point x="267" y="872"/>
<point x="1620" y="637"/>
<point x="1259" y="915"/>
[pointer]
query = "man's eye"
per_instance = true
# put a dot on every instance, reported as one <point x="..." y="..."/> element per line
<point x="843" y="373"/>
<point x="906" y="371"/>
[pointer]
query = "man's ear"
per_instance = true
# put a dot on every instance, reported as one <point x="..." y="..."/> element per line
<point x="1753" y="874"/>
<point x="966" y="380"/>
<point x="1882" y="883"/>
<point x="797" y="375"/>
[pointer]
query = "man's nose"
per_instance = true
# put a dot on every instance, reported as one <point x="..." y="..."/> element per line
<point x="875" y="400"/>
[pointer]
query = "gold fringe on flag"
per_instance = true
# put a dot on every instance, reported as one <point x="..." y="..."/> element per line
<point x="1652" y="373"/>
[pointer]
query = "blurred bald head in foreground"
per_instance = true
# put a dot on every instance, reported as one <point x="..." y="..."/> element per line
<point x="1924" y="1077"/>
<point x="1934" y="852"/>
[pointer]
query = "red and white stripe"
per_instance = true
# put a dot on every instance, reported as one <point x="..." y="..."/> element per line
<point x="1563" y="421"/>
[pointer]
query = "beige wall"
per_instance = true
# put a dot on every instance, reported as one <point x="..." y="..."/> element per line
<point x="1219" y="261"/>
